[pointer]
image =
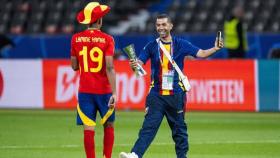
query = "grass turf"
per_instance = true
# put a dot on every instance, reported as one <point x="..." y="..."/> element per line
<point x="53" y="134"/>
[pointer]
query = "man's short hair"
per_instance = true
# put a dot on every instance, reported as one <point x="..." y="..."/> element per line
<point x="162" y="16"/>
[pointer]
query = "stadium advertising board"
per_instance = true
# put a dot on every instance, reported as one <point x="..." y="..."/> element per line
<point x="61" y="85"/>
<point x="131" y="90"/>
<point x="227" y="85"/>
<point x="21" y="84"/>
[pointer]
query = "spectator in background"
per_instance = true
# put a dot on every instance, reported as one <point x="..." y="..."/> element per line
<point x="235" y="35"/>
<point x="5" y="43"/>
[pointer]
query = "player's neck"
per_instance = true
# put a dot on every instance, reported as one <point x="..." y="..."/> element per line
<point x="93" y="28"/>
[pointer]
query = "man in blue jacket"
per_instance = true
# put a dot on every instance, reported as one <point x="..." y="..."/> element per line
<point x="167" y="95"/>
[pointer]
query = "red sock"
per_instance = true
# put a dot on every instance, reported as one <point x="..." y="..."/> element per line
<point x="89" y="143"/>
<point x="108" y="141"/>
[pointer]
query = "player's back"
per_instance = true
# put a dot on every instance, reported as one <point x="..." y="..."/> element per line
<point x="90" y="47"/>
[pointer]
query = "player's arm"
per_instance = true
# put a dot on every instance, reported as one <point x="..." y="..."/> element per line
<point x="111" y="74"/>
<point x="74" y="60"/>
<point x="208" y="52"/>
<point x="74" y="63"/>
<point x="110" y="71"/>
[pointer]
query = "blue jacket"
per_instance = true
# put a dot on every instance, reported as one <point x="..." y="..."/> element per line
<point x="181" y="48"/>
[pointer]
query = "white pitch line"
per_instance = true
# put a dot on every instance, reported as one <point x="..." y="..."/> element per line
<point x="130" y="145"/>
<point x="239" y="142"/>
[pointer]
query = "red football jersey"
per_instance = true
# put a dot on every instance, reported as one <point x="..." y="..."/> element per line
<point x="90" y="47"/>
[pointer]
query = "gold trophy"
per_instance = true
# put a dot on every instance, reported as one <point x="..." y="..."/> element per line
<point x="130" y="51"/>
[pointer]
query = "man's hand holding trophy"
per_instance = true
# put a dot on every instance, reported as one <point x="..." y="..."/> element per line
<point x="137" y="68"/>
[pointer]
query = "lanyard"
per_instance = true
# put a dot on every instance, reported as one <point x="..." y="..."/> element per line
<point x="171" y="51"/>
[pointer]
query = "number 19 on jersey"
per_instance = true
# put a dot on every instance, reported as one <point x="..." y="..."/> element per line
<point x="93" y="58"/>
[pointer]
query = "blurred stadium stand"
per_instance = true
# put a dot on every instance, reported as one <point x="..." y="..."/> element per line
<point x="43" y="28"/>
<point x="57" y="16"/>
<point x="209" y="15"/>
<point x="135" y="16"/>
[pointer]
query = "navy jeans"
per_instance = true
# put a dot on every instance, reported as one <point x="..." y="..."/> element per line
<point x="171" y="106"/>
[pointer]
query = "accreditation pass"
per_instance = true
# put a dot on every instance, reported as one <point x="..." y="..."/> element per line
<point x="167" y="80"/>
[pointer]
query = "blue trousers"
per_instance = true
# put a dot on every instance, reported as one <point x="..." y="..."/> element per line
<point x="158" y="106"/>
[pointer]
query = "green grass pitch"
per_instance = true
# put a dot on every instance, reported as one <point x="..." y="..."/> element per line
<point x="53" y="134"/>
